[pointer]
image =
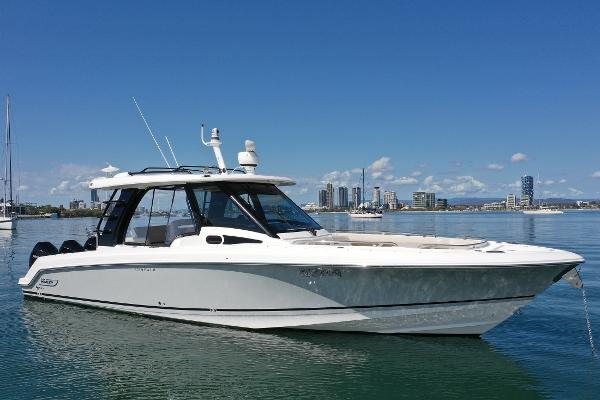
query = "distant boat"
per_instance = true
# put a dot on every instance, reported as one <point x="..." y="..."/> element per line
<point x="8" y="221"/>
<point x="363" y="211"/>
<point x="543" y="211"/>
<point x="365" y="214"/>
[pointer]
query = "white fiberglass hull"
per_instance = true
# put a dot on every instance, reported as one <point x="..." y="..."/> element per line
<point x="8" y="223"/>
<point x="365" y="215"/>
<point x="438" y="300"/>
<point x="542" y="212"/>
<point x="462" y="319"/>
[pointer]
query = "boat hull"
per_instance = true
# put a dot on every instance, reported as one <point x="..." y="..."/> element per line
<point x="365" y="216"/>
<point x="7" y="223"/>
<point x="428" y="300"/>
<point x="543" y="212"/>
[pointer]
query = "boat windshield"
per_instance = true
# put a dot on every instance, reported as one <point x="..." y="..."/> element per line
<point x="272" y="207"/>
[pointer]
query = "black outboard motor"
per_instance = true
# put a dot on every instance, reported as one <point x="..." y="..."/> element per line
<point x="91" y="243"/>
<point x="42" y="249"/>
<point x="70" y="246"/>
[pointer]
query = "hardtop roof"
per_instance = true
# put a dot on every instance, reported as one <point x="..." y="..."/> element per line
<point x="149" y="177"/>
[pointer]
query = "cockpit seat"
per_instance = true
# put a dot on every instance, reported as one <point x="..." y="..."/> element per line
<point x="179" y="227"/>
<point x="153" y="235"/>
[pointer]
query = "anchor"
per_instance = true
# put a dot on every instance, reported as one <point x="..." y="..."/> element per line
<point x="576" y="281"/>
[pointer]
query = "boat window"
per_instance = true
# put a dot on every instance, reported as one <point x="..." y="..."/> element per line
<point x="109" y="211"/>
<point x="162" y="215"/>
<point x="217" y="208"/>
<point x="115" y="209"/>
<point x="273" y="208"/>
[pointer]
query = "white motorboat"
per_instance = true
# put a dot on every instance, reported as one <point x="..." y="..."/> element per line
<point x="8" y="221"/>
<point x="543" y="211"/>
<point x="365" y="213"/>
<point x="219" y="246"/>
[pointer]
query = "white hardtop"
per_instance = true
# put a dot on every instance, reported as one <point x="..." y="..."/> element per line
<point x="248" y="161"/>
<point x="144" y="180"/>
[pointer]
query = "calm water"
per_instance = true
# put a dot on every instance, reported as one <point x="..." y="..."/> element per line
<point x="53" y="350"/>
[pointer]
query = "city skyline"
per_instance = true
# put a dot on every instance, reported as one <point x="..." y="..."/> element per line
<point x="523" y="190"/>
<point x="425" y="199"/>
<point x="426" y="97"/>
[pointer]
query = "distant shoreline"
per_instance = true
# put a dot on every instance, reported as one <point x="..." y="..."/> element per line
<point x="460" y="211"/>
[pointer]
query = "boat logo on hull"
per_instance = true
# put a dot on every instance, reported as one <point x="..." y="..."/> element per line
<point x="48" y="282"/>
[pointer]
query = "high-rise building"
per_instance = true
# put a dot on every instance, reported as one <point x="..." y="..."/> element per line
<point x="322" y="198"/>
<point x="376" y="197"/>
<point x="511" y="201"/>
<point x="390" y="200"/>
<point x="418" y="200"/>
<point x="441" y="204"/>
<point x="527" y="190"/>
<point x="430" y="200"/>
<point x="77" y="204"/>
<point x="94" y="196"/>
<point x="423" y="200"/>
<point x="356" y="196"/>
<point x="343" y="197"/>
<point x="330" y="196"/>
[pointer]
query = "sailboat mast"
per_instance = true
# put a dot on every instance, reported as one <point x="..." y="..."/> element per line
<point x="9" y="151"/>
<point x="363" y="186"/>
<point x="540" y="199"/>
<point x="5" y="156"/>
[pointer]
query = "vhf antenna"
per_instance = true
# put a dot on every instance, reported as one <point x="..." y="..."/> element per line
<point x="215" y="143"/>
<point x="152" y="134"/>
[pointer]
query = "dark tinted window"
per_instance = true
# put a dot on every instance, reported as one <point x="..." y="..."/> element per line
<point x="218" y="209"/>
<point x="273" y="208"/>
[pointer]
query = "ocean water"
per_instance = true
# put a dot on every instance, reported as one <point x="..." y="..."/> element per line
<point x="51" y="350"/>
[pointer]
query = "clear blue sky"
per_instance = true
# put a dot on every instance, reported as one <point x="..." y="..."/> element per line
<point x="431" y="95"/>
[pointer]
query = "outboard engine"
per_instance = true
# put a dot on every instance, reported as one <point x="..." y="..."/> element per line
<point x="91" y="243"/>
<point x="70" y="246"/>
<point x="42" y="249"/>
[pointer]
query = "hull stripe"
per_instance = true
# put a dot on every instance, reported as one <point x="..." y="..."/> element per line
<point x="66" y="298"/>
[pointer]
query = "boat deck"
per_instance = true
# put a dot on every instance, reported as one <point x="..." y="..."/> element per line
<point x="394" y="240"/>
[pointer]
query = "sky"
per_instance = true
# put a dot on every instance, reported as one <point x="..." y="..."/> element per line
<point x="461" y="97"/>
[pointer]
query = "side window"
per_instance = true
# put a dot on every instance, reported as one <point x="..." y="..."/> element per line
<point x="180" y="221"/>
<point x="114" y="210"/>
<point x="110" y="210"/>
<point x="162" y="215"/>
<point x="218" y="209"/>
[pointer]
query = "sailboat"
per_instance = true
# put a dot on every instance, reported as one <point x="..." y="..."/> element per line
<point x="361" y="210"/>
<point x="8" y="221"/>
<point x="542" y="210"/>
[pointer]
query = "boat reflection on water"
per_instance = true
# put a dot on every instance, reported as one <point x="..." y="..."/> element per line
<point x="529" y="230"/>
<point x="91" y="353"/>
<point x="7" y="248"/>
